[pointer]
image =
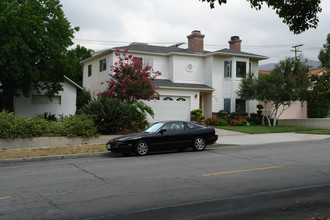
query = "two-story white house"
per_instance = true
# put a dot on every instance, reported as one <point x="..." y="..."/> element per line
<point x="190" y="78"/>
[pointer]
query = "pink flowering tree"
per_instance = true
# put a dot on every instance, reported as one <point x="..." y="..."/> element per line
<point x="131" y="81"/>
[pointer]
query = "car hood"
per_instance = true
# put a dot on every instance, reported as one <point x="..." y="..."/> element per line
<point x="131" y="136"/>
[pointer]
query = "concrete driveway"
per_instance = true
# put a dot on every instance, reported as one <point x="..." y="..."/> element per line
<point x="227" y="137"/>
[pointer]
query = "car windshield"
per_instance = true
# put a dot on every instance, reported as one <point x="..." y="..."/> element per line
<point x="153" y="128"/>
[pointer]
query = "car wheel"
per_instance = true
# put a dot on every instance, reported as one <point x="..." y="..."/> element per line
<point x="199" y="144"/>
<point x="141" y="148"/>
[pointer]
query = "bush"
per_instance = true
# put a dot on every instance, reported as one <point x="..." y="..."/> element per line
<point x="112" y="115"/>
<point x="79" y="125"/>
<point x="222" y="122"/>
<point x="223" y="113"/>
<point x="48" y="116"/>
<point x="7" y="121"/>
<point x="211" y="122"/>
<point x="237" y="123"/>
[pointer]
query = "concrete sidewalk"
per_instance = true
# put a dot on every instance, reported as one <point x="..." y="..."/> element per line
<point x="227" y="137"/>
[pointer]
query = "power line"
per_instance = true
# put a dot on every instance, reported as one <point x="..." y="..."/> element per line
<point x="296" y="49"/>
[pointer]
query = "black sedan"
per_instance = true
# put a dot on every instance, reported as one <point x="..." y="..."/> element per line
<point x="164" y="135"/>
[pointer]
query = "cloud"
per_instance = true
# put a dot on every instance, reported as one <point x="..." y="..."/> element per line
<point x="116" y="23"/>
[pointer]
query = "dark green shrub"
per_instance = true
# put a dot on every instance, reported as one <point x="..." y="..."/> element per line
<point x="83" y="98"/>
<point x="7" y="122"/>
<point x="222" y="122"/>
<point x="211" y="122"/>
<point x="48" y="116"/>
<point x="112" y="115"/>
<point x="223" y="113"/>
<point x="79" y="125"/>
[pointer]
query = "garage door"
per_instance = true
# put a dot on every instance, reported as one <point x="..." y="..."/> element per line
<point x="170" y="108"/>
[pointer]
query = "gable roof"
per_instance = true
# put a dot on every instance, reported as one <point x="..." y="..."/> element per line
<point x="165" y="83"/>
<point x="166" y="51"/>
<point x="317" y="71"/>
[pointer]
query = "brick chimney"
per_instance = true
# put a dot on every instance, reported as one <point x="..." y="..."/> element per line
<point x="235" y="43"/>
<point x="196" y="42"/>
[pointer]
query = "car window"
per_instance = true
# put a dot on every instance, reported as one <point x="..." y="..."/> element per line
<point x="154" y="127"/>
<point x="173" y="126"/>
<point x="193" y="126"/>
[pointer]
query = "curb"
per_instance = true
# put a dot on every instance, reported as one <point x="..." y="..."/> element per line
<point x="51" y="158"/>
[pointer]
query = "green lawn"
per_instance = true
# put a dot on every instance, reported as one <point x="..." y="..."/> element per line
<point x="260" y="129"/>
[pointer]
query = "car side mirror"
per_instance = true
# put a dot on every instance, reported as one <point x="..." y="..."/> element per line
<point x="162" y="131"/>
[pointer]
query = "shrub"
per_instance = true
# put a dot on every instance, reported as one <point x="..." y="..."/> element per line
<point x="83" y="97"/>
<point x="223" y="113"/>
<point x="38" y="126"/>
<point x="7" y="121"/>
<point x="222" y="122"/>
<point x="237" y="123"/>
<point x="79" y="125"/>
<point x="211" y="122"/>
<point x="112" y="115"/>
<point x="260" y="106"/>
<point x="48" y="116"/>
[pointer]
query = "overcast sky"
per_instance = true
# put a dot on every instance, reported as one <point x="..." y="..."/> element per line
<point x="111" y="23"/>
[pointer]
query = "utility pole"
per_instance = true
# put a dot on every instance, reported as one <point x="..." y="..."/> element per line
<point x="296" y="50"/>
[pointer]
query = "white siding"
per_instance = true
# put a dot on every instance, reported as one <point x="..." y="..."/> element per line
<point x="23" y="105"/>
<point x="182" y="75"/>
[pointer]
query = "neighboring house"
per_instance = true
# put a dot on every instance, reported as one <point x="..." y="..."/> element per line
<point x="317" y="71"/>
<point x="64" y="103"/>
<point x="191" y="78"/>
<point x="297" y="109"/>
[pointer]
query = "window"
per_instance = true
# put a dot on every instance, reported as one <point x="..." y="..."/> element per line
<point x="250" y="67"/>
<point x="226" y="105"/>
<point x="240" y="105"/>
<point x="44" y="100"/>
<point x="240" y="69"/>
<point x="146" y="61"/>
<point x="173" y="127"/>
<point x="227" y="70"/>
<point x="103" y="64"/>
<point x="89" y="70"/>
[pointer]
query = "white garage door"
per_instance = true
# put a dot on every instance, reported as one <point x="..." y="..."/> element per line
<point x="170" y="108"/>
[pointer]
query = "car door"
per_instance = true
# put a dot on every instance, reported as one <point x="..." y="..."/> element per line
<point x="171" y="135"/>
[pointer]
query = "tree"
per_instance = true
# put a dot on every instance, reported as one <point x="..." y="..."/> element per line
<point x="318" y="97"/>
<point x="75" y="68"/>
<point x="131" y="81"/>
<point x="286" y="83"/>
<point x="324" y="55"/>
<point x="34" y="36"/>
<point x="298" y="15"/>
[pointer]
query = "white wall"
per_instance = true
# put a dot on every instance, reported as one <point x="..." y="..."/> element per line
<point x="23" y="105"/>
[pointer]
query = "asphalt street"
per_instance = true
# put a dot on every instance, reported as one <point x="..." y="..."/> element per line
<point x="290" y="180"/>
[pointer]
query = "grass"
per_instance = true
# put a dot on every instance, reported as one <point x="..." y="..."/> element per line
<point x="42" y="152"/>
<point x="260" y="129"/>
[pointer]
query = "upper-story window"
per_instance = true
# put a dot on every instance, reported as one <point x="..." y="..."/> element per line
<point x="89" y="70"/>
<point x="227" y="69"/>
<point x="240" y="69"/>
<point x="146" y="61"/>
<point x="103" y="64"/>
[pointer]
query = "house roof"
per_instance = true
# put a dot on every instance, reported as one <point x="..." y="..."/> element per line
<point x="264" y="72"/>
<point x="317" y="71"/>
<point x="165" y="83"/>
<point x="239" y="53"/>
<point x="158" y="49"/>
<point x="161" y="50"/>
<point x="72" y="82"/>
